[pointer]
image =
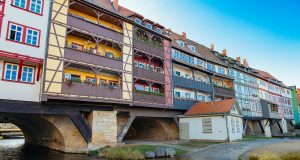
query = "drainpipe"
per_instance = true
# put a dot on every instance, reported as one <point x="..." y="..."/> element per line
<point x="227" y="129"/>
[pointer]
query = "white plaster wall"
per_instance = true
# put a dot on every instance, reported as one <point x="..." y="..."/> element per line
<point x="28" y="19"/>
<point x="196" y="131"/>
<point x="18" y="91"/>
<point x="183" y="70"/>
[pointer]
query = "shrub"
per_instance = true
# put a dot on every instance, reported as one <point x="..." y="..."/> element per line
<point x="121" y="153"/>
<point x="291" y="156"/>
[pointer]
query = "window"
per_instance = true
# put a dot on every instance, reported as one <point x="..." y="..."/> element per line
<point x="15" y="32"/>
<point x="139" y="87"/>
<point x="20" y="3"/>
<point x="177" y="94"/>
<point x="177" y="73"/>
<point x="147" y="88"/>
<point x="187" y="76"/>
<point x="32" y="37"/>
<point x="201" y="98"/>
<point x="23" y="34"/>
<point x="181" y="43"/>
<point x="138" y="21"/>
<point x="206" y="125"/>
<point x="102" y="82"/>
<point x="35" y="6"/>
<point x="27" y="74"/>
<point x="11" y="72"/>
<point x="91" y="80"/>
<point x="156" y="90"/>
<point x="149" y="26"/>
<point x="193" y="49"/>
<point x="75" y="77"/>
<point x="199" y="62"/>
<point x="158" y="30"/>
<point x="211" y="67"/>
<point x="233" y="125"/>
<point x="221" y="70"/>
<point x="141" y="65"/>
<point x="274" y="107"/>
<point x="187" y="95"/>
<point x="238" y="129"/>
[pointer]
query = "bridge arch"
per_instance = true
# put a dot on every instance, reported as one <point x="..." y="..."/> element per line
<point x="52" y="131"/>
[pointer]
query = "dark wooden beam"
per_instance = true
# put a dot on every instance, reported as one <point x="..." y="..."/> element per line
<point x="125" y="129"/>
<point x="82" y="126"/>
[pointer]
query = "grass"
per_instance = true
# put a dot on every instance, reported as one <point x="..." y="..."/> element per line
<point x="271" y="156"/>
<point x="253" y="138"/>
<point x="197" y="144"/>
<point x="128" y="152"/>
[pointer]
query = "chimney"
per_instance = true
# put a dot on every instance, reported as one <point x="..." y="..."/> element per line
<point x="224" y="52"/>
<point x="116" y="4"/>
<point x="238" y="59"/>
<point x="212" y="47"/>
<point x="245" y="63"/>
<point x="183" y="34"/>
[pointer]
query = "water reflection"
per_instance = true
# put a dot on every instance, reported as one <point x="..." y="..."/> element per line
<point x="15" y="149"/>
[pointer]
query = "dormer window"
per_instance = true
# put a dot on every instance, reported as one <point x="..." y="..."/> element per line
<point x="149" y="26"/>
<point x="138" y="21"/>
<point x="158" y="30"/>
<point x="181" y="43"/>
<point x="193" y="49"/>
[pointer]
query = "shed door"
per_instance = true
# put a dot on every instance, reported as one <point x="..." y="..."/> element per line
<point x="184" y="131"/>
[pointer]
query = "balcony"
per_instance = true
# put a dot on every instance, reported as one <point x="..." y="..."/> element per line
<point x="149" y="98"/>
<point x="183" y="104"/>
<point x="191" y="84"/>
<point x="267" y="111"/>
<point x="92" y="91"/>
<point x="91" y="58"/>
<point x="146" y="47"/>
<point x="226" y="92"/>
<point x="92" y="27"/>
<point x="149" y="75"/>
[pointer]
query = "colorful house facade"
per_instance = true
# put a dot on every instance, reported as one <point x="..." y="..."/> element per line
<point x="198" y="76"/>
<point x="23" y="34"/>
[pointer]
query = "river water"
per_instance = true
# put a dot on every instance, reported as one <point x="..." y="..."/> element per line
<point x="15" y="149"/>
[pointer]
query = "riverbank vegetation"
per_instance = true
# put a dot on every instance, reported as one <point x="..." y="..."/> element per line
<point x="271" y="156"/>
<point x="128" y="152"/>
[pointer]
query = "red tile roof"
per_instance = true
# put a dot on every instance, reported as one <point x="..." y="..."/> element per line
<point x="215" y="107"/>
<point x="265" y="74"/>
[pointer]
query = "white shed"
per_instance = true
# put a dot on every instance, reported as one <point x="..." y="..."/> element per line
<point x="213" y="121"/>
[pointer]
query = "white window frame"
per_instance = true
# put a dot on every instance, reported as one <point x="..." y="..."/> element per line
<point x="33" y="71"/>
<point x="10" y="29"/>
<point x="10" y="78"/>
<point x="207" y="125"/>
<point x="41" y="5"/>
<point x="181" y="43"/>
<point x="20" y="4"/>
<point x="32" y="35"/>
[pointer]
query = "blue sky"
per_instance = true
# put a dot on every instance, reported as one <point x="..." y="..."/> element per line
<point x="266" y="33"/>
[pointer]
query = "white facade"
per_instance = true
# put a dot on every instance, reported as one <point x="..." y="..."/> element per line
<point x="224" y="128"/>
<point x="30" y="41"/>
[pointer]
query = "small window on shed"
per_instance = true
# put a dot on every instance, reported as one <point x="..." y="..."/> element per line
<point x="207" y="125"/>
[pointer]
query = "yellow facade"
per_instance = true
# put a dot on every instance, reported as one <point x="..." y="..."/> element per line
<point x="128" y="58"/>
<point x="102" y="49"/>
<point x="83" y="75"/>
<point x="54" y="67"/>
<point x="94" y="19"/>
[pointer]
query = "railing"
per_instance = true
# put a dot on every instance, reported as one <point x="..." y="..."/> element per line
<point x="221" y="91"/>
<point x="141" y="45"/>
<point x="92" y="58"/>
<point x="147" y="74"/>
<point x="183" y="104"/>
<point x="113" y="92"/>
<point x="191" y="84"/>
<point x="143" y="97"/>
<point x="87" y="25"/>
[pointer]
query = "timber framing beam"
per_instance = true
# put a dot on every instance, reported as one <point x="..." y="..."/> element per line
<point x="125" y="129"/>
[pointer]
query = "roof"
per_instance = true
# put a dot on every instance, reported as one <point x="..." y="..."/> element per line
<point x="213" y="107"/>
<point x="202" y="51"/>
<point x="264" y="74"/>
